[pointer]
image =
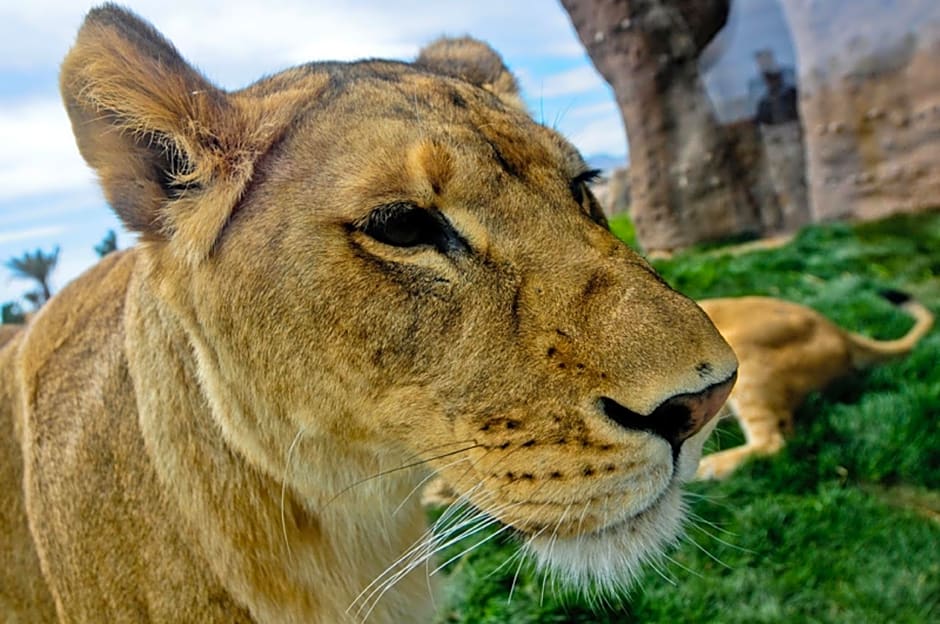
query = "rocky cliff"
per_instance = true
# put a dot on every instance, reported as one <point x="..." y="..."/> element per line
<point x="870" y="104"/>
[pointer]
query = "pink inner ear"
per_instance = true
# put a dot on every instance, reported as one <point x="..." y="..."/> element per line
<point x="173" y="152"/>
<point x="128" y="93"/>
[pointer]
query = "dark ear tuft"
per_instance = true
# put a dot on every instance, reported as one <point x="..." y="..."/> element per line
<point x="473" y="61"/>
<point x="895" y="297"/>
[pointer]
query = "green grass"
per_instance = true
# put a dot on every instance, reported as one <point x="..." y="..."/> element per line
<point x="844" y="524"/>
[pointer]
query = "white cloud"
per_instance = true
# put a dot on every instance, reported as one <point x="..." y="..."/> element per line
<point x="31" y="233"/>
<point x="596" y="129"/>
<point x="571" y="82"/>
<point x="43" y="208"/>
<point x="235" y="39"/>
<point x="36" y="34"/>
<point x="607" y="108"/>
<point x="40" y="155"/>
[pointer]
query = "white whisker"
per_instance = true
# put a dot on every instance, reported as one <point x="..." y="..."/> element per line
<point x="517" y="553"/>
<point x="422" y="482"/>
<point x="525" y="547"/>
<point x="468" y="522"/>
<point x="653" y="562"/>
<point x="551" y="547"/>
<point x="287" y="466"/>
<point x="676" y="562"/>
<point x="504" y="528"/>
<point x="696" y="520"/>
<point x="707" y="553"/>
<point x="476" y="525"/>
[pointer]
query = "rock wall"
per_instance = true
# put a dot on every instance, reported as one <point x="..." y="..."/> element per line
<point x="770" y="163"/>
<point x="785" y="169"/>
<point x="869" y="103"/>
<point x="613" y="191"/>
<point x="683" y="180"/>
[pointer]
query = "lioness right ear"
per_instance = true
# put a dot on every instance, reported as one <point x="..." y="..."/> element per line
<point x="173" y="152"/>
<point x="473" y="61"/>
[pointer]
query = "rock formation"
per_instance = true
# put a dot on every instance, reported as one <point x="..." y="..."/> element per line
<point x="685" y="184"/>
<point x="870" y="104"/>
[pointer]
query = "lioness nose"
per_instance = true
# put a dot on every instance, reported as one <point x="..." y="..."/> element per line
<point x="677" y="418"/>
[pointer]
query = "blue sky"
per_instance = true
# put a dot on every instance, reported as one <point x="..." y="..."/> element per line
<point x="49" y="197"/>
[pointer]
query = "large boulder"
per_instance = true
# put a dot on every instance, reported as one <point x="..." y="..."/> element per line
<point x="869" y="103"/>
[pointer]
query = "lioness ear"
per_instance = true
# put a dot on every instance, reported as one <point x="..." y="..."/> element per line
<point x="172" y="151"/>
<point x="474" y="61"/>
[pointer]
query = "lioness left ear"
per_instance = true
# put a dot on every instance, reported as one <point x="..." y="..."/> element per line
<point x="173" y="152"/>
<point x="474" y="61"/>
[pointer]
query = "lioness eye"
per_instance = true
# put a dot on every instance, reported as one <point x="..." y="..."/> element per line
<point x="407" y="225"/>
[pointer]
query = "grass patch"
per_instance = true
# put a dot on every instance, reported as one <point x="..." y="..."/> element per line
<point x="841" y="526"/>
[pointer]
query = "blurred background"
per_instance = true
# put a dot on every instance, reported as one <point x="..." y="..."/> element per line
<point x="788" y="148"/>
<point x="757" y="117"/>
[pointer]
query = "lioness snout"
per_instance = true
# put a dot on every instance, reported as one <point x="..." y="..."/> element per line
<point x="677" y="418"/>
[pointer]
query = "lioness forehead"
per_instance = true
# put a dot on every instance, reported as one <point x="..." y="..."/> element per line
<point x="457" y="114"/>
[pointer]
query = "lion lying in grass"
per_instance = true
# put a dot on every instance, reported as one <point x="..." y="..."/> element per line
<point x="786" y="351"/>
<point x="349" y="275"/>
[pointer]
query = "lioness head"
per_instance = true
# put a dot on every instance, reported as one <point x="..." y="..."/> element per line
<point x="381" y="264"/>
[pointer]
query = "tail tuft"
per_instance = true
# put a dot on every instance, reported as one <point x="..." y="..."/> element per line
<point x="866" y="351"/>
<point x="896" y="297"/>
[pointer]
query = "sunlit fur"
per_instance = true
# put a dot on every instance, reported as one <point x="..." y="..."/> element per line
<point x="230" y="421"/>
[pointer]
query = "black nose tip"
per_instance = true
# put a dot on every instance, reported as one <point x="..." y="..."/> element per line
<point x="677" y="418"/>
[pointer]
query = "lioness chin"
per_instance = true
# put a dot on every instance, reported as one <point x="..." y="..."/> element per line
<point x="348" y="276"/>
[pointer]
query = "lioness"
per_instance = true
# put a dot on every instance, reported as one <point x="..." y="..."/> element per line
<point x="349" y="275"/>
<point x="786" y="351"/>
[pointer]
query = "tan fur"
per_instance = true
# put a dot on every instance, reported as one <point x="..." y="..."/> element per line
<point x="7" y="331"/>
<point x="785" y="352"/>
<point x="227" y="422"/>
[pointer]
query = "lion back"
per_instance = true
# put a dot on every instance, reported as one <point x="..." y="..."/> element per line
<point x="23" y="593"/>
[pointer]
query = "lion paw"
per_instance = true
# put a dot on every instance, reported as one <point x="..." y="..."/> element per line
<point x="715" y="467"/>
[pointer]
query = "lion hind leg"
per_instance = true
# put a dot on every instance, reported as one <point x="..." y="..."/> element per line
<point x="763" y="429"/>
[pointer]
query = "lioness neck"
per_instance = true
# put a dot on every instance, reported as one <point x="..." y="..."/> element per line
<point x="287" y="518"/>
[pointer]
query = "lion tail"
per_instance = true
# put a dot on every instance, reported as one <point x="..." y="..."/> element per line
<point x="867" y="351"/>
